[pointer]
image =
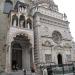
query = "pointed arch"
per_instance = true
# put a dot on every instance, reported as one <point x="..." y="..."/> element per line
<point x="14" y="20"/>
<point x="59" y="57"/>
<point x="22" y="21"/>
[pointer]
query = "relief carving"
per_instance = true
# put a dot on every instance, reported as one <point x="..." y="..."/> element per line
<point x="59" y="47"/>
<point x="67" y="45"/>
<point x="46" y="44"/>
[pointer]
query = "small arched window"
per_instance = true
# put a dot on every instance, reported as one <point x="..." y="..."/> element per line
<point x="14" y="20"/>
<point x="22" y="21"/>
<point x="29" y="23"/>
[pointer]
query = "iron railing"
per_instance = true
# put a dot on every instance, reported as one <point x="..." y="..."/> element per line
<point x="61" y="69"/>
<point x="57" y="69"/>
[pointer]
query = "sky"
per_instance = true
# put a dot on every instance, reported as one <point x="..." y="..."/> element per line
<point x="68" y="7"/>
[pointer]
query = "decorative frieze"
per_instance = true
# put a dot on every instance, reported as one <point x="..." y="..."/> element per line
<point x="53" y="22"/>
<point x="59" y="47"/>
<point x="46" y="36"/>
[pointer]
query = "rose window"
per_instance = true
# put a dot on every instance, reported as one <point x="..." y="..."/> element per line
<point x="56" y="36"/>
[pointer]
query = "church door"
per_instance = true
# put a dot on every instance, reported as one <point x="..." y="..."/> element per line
<point x="21" y="53"/>
<point x="16" y="56"/>
<point x="59" y="59"/>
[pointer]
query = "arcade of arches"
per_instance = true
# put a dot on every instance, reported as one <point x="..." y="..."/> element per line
<point x="21" y="21"/>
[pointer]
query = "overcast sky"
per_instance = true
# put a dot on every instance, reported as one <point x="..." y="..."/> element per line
<point x="68" y="7"/>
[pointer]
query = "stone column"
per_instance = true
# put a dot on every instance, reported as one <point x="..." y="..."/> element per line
<point x="8" y="59"/>
<point x="28" y="26"/>
<point x="14" y="23"/>
<point x="33" y="55"/>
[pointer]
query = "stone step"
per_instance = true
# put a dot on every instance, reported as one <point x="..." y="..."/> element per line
<point x="18" y="73"/>
<point x="14" y="73"/>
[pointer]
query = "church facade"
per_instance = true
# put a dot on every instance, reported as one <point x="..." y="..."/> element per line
<point x="32" y="34"/>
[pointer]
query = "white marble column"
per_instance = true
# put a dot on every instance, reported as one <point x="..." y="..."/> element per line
<point x="28" y="26"/>
<point x="14" y="23"/>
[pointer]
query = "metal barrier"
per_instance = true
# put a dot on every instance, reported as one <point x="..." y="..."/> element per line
<point x="61" y="69"/>
<point x="64" y="69"/>
<point x="1" y="70"/>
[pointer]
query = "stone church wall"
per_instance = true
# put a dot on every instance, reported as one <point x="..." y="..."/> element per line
<point x="44" y="27"/>
<point x="4" y="24"/>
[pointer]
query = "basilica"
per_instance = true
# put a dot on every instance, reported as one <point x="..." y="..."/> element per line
<point x="33" y="35"/>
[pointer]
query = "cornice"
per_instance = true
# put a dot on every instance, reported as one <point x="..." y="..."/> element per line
<point x="52" y="20"/>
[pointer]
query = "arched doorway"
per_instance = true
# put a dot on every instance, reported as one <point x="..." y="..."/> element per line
<point x="59" y="59"/>
<point x="21" y="55"/>
<point x="16" y="56"/>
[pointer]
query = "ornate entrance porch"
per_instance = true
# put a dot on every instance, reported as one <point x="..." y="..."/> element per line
<point x="20" y="54"/>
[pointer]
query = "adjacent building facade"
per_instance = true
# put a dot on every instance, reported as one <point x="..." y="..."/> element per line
<point x="32" y="34"/>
